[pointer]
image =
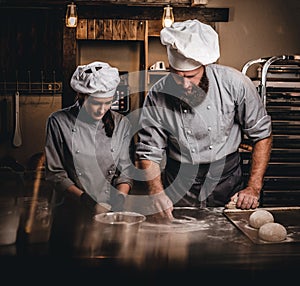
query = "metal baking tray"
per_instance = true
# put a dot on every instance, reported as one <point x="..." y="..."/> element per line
<point x="289" y="217"/>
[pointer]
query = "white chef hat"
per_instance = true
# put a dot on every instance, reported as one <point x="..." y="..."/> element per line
<point x="190" y="44"/>
<point x="97" y="79"/>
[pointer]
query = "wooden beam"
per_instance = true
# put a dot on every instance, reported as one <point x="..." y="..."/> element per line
<point x="49" y="3"/>
<point x="154" y="13"/>
<point x="125" y="9"/>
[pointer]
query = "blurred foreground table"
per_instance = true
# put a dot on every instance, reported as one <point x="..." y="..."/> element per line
<point x="201" y="244"/>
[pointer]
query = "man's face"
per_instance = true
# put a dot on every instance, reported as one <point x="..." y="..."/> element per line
<point x="97" y="107"/>
<point x="188" y="80"/>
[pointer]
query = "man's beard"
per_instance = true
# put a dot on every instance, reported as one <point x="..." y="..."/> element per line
<point x="197" y="93"/>
<point x="194" y="96"/>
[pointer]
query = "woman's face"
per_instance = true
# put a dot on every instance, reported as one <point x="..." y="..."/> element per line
<point x="97" y="107"/>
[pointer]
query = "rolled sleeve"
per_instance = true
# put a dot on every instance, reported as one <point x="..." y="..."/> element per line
<point x="255" y="121"/>
<point x="63" y="184"/>
<point x="123" y="180"/>
<point x="146" y="152"/>
<point x="262" y="129"/>
<point x="152" y="137"/>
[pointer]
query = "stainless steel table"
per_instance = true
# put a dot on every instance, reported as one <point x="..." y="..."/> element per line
<point x="201" y="244"/>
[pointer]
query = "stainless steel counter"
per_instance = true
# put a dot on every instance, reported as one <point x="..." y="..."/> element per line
<point x="201" y="243"/>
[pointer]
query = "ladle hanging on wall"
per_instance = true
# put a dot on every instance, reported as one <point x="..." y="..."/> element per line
<point x="17" y="138"/>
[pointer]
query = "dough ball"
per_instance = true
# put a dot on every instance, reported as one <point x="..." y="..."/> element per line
<point x="259" y="218"/>
<point x="272" y="231"/>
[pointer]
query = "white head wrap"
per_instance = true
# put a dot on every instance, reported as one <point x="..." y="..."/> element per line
<point x="97" y="79"/>
<point x="190" y="44"/>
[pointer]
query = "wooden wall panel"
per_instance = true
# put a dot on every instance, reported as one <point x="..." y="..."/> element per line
<point x="117" y="30"/>
<point x="99" y="29"/>
<point x="30" y="45"/>
<point x="132" y="29"/>
<point x="107" y="29"/>
<point x="81" y="30"/>
<point x="91" y="29"/>
<point x="125" y="30"/>
<point x="140" y="30"/>
<point x="154" y="27"/>
<point x="69" y="64"/>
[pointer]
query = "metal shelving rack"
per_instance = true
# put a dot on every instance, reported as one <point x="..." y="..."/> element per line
<point x="278" y="84"/>
<point x="30" y="88"/>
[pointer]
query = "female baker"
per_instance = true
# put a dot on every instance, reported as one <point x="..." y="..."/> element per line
<point x="88" y="145"/>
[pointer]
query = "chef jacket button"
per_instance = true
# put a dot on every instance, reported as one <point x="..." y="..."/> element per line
<point x="208" y="107"/>
<point x="112" y="150"/>
<point x="184" y="110"/>
<point x="77" y="151"/>
<point x="209" y="128"/>
<point x="74" y="129"/>
<point x="210" y="147"/>
<point x="193" y="150"/>
<point x="110" y="172"/>
<point x="189" y="132"/>
<point x="106" y="191"/>
<point x="79" y="173"/>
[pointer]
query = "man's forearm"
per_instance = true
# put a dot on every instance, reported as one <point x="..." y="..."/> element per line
<point x="123" y="188"/>
<point x="260" y="159"/>
<point x="151" y="175"/>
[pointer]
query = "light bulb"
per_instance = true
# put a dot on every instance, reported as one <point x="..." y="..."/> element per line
<point x="168" y="16"/>
<point x="72" y="22"/>
<point x="71" y="16"/>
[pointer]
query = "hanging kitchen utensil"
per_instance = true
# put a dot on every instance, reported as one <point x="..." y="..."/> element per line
<point x="17" y="138"/>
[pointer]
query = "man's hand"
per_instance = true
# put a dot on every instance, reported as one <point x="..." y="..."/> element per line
<point x="158" y="205"/>
<point x="247" y="198"/>
<point x="163" y="207"/>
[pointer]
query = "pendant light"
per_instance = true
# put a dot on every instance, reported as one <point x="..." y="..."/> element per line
<point x="168" y="16"/>
<point x="71" y="16"/>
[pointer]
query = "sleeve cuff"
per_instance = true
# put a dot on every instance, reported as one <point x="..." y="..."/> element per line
<point x="262" y="129"/>
<point x="146" y="152"/>
<point x="64" y="184"/>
